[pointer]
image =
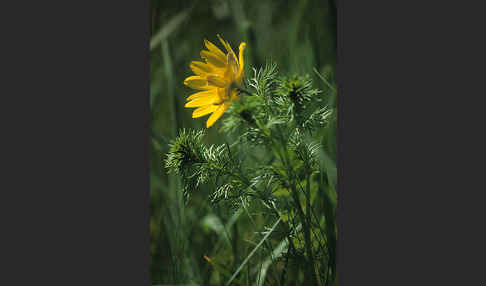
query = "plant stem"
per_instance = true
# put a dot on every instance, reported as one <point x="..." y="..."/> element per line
<point x="308" y="211"/>
<point x="235" y="244"/>
<point x="305" y="222"/>
<point x="244" y="90"/>
<point x="307" y="240"/>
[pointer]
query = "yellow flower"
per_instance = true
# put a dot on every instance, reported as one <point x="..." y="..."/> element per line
<point x="217" y="77"/>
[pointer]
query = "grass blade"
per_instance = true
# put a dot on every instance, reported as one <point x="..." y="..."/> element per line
<point x="168" y="29"/>
<point x="251" y="253"/>
<point x="325" y="80"/>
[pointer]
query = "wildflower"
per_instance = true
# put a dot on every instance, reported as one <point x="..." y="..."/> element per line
<point x="218" y="78"/>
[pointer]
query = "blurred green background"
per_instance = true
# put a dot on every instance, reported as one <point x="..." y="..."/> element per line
<point x="297" y="35"/>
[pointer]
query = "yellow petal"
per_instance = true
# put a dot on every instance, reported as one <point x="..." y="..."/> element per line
<point x="217" y="70"/>
<point x="206" y="100"/>
<point x="216" y="114"/>
<point x="213" y="48"/>
<point x="226" y="46"/>
<point x="239" y="75"/>
<point x="216" y="80"/>
<point x="213" y="59"/>
<point x="203" y="93"/>
<point x="200" y="68"/>
<point x="204" y="110"/>
<point x="197" y="82"/>
<point x="232" y="70"/>
<point x="224" y="93"/>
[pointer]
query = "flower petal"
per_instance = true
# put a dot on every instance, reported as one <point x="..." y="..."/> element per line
<point x="232" y="70"/>
<point x="201" y="101"/>
<point x="217" y="80"/>
<point x="224" y="93"/>
<point x="213" y="48"/>
<point x="200" y="68"/>
<point x="213" y="91"/>
<point x="216" y="114"/>
<point x="226" y="46"/>
<point x="197" y="82"/>
<point x="204" y="110"/>
<point x="239" y="75"/>
<point x="213" y="59"/>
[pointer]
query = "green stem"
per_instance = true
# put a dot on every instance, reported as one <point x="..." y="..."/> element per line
<point x="235" y="244"/>
<point x="309" y="224"/>
<point x="305" y="219"/>
<point x="244" y="90"/>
